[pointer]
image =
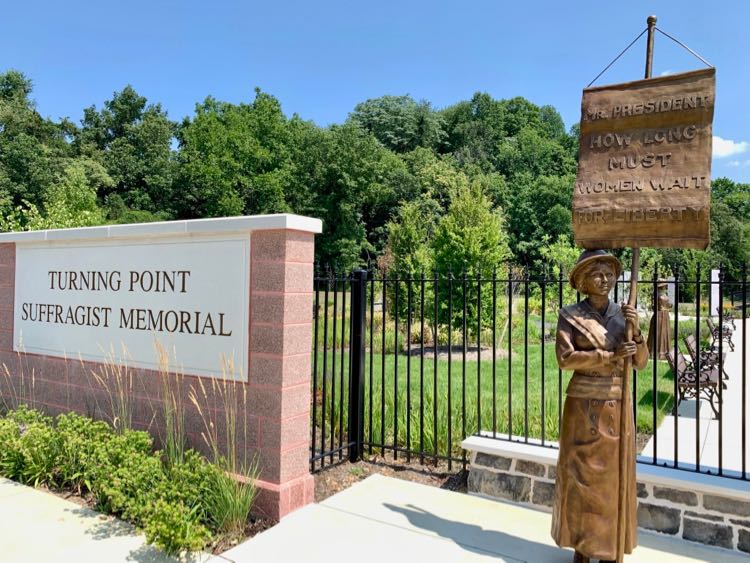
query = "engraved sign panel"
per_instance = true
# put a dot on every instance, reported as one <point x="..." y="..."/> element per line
<point x="103" y="300"/>
<point x="645" y="163"/>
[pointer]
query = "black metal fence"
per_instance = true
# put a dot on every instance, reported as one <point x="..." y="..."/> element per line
<point x="408" y="366"/>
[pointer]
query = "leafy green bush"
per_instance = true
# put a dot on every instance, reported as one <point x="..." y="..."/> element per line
<point x="179" y="505"/>
<point x="165" y="502"/>
<point x="25" y="415"/>
<point x="11" y="460"/>
<point x="39" y="449"/>
<point x="29" y="446"/>
<point x="79" y="439"/>
<point x="125" y="488"/>
<point x="470" y="241"/>
<point x="174" y="527"/>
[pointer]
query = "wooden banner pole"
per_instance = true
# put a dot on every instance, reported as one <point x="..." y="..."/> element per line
<point x="625" y="402"/>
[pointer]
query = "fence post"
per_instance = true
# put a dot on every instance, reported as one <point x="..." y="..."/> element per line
<point x="357" y="368"/>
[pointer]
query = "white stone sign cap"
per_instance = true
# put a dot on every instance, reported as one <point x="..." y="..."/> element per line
<point x="221" y="225"/>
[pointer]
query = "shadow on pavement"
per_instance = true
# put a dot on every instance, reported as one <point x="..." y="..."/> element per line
<point x="106" y="527"/>
<point x="496" y="544"/>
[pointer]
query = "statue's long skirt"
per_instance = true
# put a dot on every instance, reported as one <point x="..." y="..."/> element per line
<point x="586" y="491"/>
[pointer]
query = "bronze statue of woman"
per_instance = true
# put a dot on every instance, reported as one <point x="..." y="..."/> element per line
<point x="659" y="325"/>
<point x="591" y="342"/>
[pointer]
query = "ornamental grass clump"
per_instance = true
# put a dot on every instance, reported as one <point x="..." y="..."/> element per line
<point x="232" y="489"/>
<point x="115" y="377"/>
<point x="173" y="409"/>
<point x="230" y="497"/>
<point x="19" y="388"/>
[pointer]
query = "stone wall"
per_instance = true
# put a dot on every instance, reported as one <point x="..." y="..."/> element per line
<point x="680" y="512"/>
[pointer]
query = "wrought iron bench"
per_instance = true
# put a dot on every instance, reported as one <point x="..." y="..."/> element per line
<point x="708" y="381"/>
<point x="728" y="317"/>
<point x="725" y="334"/>
<point x="708" y="357"/>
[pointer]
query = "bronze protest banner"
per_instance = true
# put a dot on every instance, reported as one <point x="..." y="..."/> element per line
<point x="645" y="163"/>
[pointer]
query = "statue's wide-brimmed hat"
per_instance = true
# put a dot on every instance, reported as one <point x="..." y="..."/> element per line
<point x="589" y="256"/>
<point x="662" y="283"/>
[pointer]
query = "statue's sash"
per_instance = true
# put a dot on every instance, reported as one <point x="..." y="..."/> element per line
<point x="581" y="317"/>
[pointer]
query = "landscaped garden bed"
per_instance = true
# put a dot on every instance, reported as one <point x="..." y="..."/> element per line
<point x="180" y="500"/>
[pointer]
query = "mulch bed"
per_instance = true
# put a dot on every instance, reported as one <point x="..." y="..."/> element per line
<point x="254" y="527"/>
<point x="335" y="478"/>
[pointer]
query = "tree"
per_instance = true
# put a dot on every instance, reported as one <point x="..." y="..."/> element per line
<point x="132" y="139"/>
<point x="734" y="194"/>
<point x="16" y="88"/>
<point x="355" y="177"/>
<point x="410" y="234"/>
<point x="730" y="240"/>
<point x="69" y="202"/>
<point x="29" y="168"/>
<point x="234" y="159"/>
<point x="551" y="123"/>
<point x="409" y="252"/>
<point x="32" y="149"/>
<point x="399" y="122"/>
<point x="498" y="134"/>
<point x="474" y="128"/>
<point x="538" y="208"/>
<point x="469" y="244"/>
<point x="529" y="152"/>
<point x="435" y="176"/>
<point x="558" y="257"/>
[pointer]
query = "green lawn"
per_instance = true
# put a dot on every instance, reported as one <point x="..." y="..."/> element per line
<point x="397" y="388"/>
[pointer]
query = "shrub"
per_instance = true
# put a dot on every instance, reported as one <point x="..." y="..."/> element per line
<point x="39" y="450"/>
<point x="30" y="447"/>
<point x="128" y="487"/>
<point x="190" y="483"/>
<point x="79" y="438"/>
<point x="24" y="415"/>
<point x="174" y="528"/>
<point x="11" y="460"/>
<point x="177" y="503"/>
<point x="167" y="502"/>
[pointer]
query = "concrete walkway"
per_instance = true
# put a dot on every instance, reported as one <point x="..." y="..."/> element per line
<point x="37" y="526"/>
<point x="696" y="430"/>
<point x="377" y="520"/>
<point x="382" y="519"/>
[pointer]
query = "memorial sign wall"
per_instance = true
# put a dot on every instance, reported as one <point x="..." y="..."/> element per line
<point x="82" y="311"/>
<point x="645" y="162"/>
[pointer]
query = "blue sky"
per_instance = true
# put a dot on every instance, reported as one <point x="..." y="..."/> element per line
<point x="322" y="58"/>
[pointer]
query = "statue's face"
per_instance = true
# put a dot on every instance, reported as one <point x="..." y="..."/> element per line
<point x="600" y="279"/>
